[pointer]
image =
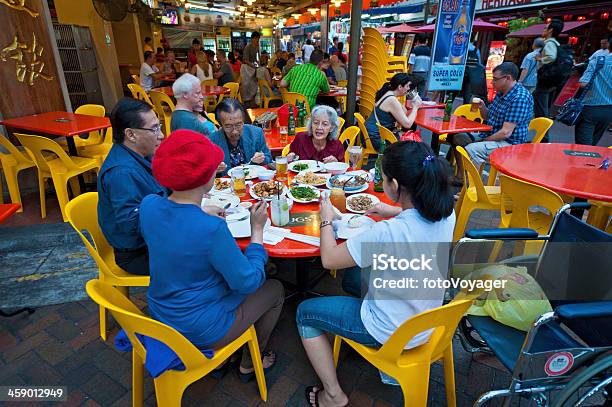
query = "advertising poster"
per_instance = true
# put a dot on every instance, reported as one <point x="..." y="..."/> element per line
<point x="497" y="52"/>
<point x="450" y="46"/>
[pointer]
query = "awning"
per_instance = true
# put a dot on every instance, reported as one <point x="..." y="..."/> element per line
<point x="395" y="9"/>
<point x="402" y="28"/>
<point x="479" y="25"/>
<point x="537" y="29"/>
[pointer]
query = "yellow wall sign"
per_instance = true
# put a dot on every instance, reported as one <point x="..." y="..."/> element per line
<point x="28" y="63"/>
<point x="19" y="5"/>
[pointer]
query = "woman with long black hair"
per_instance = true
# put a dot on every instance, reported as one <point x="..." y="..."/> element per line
<point x="388" y="110"/>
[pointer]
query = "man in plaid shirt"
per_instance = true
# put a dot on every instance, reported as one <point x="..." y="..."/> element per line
<point x="509" y="115"/>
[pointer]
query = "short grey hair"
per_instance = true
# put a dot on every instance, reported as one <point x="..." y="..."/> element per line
<point x="184" y="85"/>
<point x="539" y="42"/>
<point x="333" y="119"/>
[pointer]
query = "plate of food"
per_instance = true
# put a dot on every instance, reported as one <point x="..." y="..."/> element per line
<point x="351" y="225"/>
<point x="222" y="185"/>
<point x="267" y="189"/>
<point x="250" y="171"/>
<point x="310" y="178"/>
<point x="221" y="200"/>
<point x="360" y="203"/>
<point x="304" y="165"/>
<point x="304" y="193"/>
<point x="351" y="183"/>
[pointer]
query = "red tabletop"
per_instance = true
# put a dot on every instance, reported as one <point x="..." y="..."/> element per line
<point x="206" y="90"/>
<point x="436" y="106"/>
<point x="293" y="249"/>
<point x="337" y="93"/>
<point x="59" y="123"/>
<point x="550" y="166"/>
<point x="273" y="138"/>
<point x="7" y="210"/>
<point x="431" y="119"/>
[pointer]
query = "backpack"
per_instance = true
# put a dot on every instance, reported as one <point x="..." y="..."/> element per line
<point x="556" y="73"/>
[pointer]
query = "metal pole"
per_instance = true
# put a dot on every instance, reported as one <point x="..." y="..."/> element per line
<point x="353" y="60"/>
<point x="324" y="27"/>
<point x="426" y="12"/>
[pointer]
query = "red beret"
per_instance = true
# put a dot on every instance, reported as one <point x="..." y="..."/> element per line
<point x="186" y="160"/>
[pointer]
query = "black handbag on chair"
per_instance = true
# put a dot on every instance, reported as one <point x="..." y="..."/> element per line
<point x="572" y="108"/>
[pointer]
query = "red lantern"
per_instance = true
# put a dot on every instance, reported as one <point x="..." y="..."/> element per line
<point x="548" y="20"/>
<point x="605" y="15"/>
<point x="572" y="40"/>
<point x="567" y="17"/>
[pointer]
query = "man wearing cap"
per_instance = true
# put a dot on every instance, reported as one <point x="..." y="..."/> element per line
<point x="125" y="179"/>
<point x="241" y="143"/>
<point x="201" y="283"/>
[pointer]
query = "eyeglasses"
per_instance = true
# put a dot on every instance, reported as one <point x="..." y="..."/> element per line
<point x="157" y="129"/>
<point x="496" y="79"/>
<point x="231" y="127"/>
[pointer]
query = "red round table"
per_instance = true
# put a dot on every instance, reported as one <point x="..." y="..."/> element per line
<point x="563" y="168"/>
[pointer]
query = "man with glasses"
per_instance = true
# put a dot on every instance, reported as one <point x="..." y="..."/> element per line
<point x="189" y="105"/>
<point x="509" y="115"/>
<point x="125" y="179"/>
<point x="241" y="143"/>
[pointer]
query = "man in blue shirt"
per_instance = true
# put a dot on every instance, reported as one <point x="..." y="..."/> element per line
<point x="241" y="143"/>
<point x="529" y="66"/>
<point x="419" y="61"/>
<point x="125" y="179"/>
<point x="596" y="115"/>
<point x="509" y="116"/>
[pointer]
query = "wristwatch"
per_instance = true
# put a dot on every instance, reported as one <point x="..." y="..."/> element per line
<point x="324" y="223"/>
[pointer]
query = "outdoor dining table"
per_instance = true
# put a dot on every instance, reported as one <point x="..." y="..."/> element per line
<point x="431" y="119"/>
<point x="304" y="219"/>
<point x="7" y="210"/>
<point x="337" y="92"/>
<point x="273" y="137"/>
<point x="206" y="90"/>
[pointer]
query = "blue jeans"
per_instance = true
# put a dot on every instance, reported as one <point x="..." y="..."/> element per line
<point x="351" y="281"/>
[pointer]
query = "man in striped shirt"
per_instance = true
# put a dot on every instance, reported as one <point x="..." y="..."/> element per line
<point x="596" y="115"/>
<point x="307" y="79"/>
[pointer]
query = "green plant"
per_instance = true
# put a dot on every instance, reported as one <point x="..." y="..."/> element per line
<point x="516" y="48"/>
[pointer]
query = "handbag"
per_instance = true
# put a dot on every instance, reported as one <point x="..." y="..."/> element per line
<point x="570" y="112"/>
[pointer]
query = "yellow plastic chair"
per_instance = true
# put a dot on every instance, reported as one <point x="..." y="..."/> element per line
<point x="386" y="135"/>
<point x="474" y="195"/>
<point x="82" y="213"/>
<point x="94" y="137"/>
<point x="265" y="93"/>
<point x="98" y="151"/>
<point x="343" y="84"/>
<point x="293" y="98"/>
<point x="233" y="87"/>
<point x="61" y="169"/>
<point x="341" y="122"/>
<point x="136" y="79"/>
<point x="163" y="106"/>
<point x="170" y="385"/>
<point x="139" y="93"/>
<point x="368" y="148"/>
<point x="540" y="125"/>
<point x="411" y="367"/>
<point x="213" y="119"/>
<point x="349" y="135"/>
<point x="11" y="164"/>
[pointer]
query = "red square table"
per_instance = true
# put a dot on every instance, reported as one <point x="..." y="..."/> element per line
<point x="431" y="119"/>
<point x="273" y="138"/>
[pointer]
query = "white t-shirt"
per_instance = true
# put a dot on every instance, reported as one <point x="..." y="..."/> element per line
<point x="202" y="76"/>
<point x="384" y="310"/>
<point x="146" y="80"/>
<point x="307" y="51"/>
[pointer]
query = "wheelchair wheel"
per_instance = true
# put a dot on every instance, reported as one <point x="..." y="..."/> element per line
<point x="591" y="387"/>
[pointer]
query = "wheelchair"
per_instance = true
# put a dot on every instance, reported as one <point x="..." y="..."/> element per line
<point x="565" y="359"/>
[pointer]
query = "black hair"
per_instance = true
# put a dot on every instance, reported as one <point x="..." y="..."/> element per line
<point x="334" y="39"/>
<point x="228" y="105"/>
<point x="340" y="46"/>
<point x="291" y="55"/>
<point x="231" y="57"/>
<point x="316" y="57"/>
<point x="507" y="68"/>
<point x="160" y="49"/>
<point x="255" y="34"/>
<point x="308" y="41"/>
<point x="325" y="56"/>
<point x="210" y="54"/>
<point x="556" y="26"/>
<point x="147" y="54"/>
<point x="399" y="79"/>
<point x="127" y="114"/>
<point x="421" y="38"/>
<point x="341" y="58"/>
<point x="425" y="177"/>
<point x="147" y="39"/>
<point x="195" y="41"/>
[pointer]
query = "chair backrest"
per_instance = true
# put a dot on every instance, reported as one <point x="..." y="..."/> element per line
<point x="443" y="320"/>
<point x="82" y="213"/>
<point x="209" y="82"/>
<point x="466" y="111"/>
<point x="265" y="91"/>
<point x="233" y="87"/>
<point x="14" y="151"/>
<point x="136" y="79"/>
<point x="349" y="134"/>
<point x="293" y="98"/>
<point x="518" y="196"/>
<point x="213" y="118"/>
<point x="92" y="110"/>
<point x="369" y="148"/>
<point x="386" y="134"/>
<point x="540" y="125"/>
<point x="343" y="83"/>
<point x="163" y="106"/>
<point x="471" y="175"/>
<point x="133" y="321"/>
<point x="139" y="93"/>
<point x="341" y="122"/>
<point x="37" y="144"/>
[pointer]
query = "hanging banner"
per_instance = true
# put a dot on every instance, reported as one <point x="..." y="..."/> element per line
<point x="450" y="45"/>
<point x="497" y="51"/>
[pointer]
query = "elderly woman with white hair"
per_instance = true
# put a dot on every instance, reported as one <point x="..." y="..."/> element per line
<point x="320" y="142"/>
<point x="189" y="106"/>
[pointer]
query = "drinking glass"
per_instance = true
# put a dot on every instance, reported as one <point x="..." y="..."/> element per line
<point x="355" y="153"/>
<point x="475" y="104"/>
<point x="238" y="181"/>
<point x="283" y="134"/>
<point x="267" y="127"/>
<point x="338" y="199"/>
<point x="281" y="168"/>
<point x="279" y="209"/>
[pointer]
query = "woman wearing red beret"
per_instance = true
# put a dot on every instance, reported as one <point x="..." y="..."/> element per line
<point x="201" y="283"/>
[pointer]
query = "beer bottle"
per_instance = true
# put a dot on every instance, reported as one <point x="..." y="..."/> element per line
<point x="378" y="178"/>
<point x="459" y="40"/>
<point x="291" y="126"/>
<point x="448" y="108"/>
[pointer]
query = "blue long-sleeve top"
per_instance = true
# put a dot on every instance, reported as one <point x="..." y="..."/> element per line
<point x="123" y="181"/>
<point x="252" y="141"/>
<point x="199" y="276"/>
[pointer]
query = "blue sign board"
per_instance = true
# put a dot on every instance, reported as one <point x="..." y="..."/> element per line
<point x="450" y="46"/>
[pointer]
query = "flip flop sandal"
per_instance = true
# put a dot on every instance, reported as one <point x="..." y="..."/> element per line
<point x="310" y="389"/>
<point x="247" y="377"/>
